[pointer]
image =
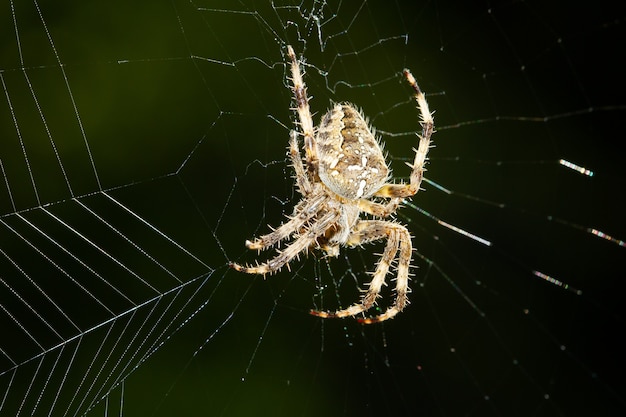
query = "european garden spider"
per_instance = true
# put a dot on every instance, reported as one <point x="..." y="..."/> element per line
<point x="343" y="174"/>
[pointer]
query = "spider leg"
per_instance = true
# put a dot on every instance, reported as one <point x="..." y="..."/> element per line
<point x="402" y="280"/>
<point x="302" y="213"/>
<point x="380" y="210"/>
<point x="397" y="236"/>
<point x="428" y="126"/>
<point x="300" y="244"/>
<point x="304" y="112"/>
<point x="302" y="179"/>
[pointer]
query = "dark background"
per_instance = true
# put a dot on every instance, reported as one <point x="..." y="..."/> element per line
<point x="186" y="113"/>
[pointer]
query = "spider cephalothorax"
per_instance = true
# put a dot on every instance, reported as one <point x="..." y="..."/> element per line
<point x="343" y="172"/>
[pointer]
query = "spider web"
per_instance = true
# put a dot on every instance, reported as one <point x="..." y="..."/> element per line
<point x="142" y="144"/>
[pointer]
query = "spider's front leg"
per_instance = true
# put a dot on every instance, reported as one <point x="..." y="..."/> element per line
<point x="397" y="237"/>
<point x="402" y="279"/>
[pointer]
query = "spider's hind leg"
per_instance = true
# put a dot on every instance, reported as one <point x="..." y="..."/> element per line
<point x="303" y="110"/>
<point x="302" y="180"/>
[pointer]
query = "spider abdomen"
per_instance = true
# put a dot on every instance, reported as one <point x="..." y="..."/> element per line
<point x="351" y="162"/>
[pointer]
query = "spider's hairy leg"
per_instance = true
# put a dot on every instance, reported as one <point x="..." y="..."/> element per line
<point x="302" y="213"/>
<point x="300" y="244"/>
<point x="380" y="210"/>
<point x="303" y="109"/>
<point x="367" y="231"/>
<point x="402" y="280"/>
<point x="428" y="126"/>
<point x="302" y="179"/>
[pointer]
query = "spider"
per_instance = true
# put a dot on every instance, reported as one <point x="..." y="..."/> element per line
<point x="344" y="174"/>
